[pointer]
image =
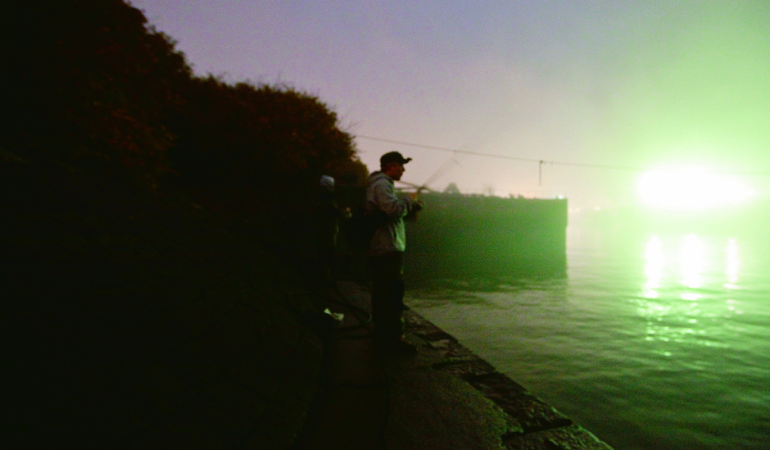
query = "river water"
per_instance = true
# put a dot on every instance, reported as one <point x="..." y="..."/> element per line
<point x="655" y="339"/>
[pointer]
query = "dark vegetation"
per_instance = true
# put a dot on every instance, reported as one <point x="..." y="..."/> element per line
<point x="90" y="86"/>
<point x="155" y="238"/>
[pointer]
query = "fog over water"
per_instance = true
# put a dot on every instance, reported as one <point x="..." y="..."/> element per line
<point x="655" y="339"/>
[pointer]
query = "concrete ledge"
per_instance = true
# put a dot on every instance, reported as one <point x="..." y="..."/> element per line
<point x="444" y="397"/>
<point x="535" y="424"/>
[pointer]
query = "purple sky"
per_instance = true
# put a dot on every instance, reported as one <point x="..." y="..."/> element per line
<point x="612" y="83"/>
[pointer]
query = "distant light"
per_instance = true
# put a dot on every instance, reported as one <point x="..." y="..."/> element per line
<point x="691" y="189"/>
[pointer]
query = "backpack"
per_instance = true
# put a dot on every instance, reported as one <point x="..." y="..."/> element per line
<point x="359" y="229"/>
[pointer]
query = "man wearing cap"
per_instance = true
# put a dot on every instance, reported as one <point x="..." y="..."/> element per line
<point x="386" y="252"/>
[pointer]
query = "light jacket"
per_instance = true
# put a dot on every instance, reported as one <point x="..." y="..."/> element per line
<point x="381" y="195"/>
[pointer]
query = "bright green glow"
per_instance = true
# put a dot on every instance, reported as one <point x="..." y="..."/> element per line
<point x="692" y="257"/>
<point x="691" y="189"/>
<point x="653" y="268"/>
<point x="691" y="296"/>
<point x="689" y="281"/>
<point x="732" y="264"/>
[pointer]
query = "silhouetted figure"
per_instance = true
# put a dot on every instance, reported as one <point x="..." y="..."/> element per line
<point x="386" y="252"/>
<point x="327" y="224"/>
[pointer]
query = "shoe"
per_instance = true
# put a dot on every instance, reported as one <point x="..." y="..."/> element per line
<point x="404" y="347"/>
<point x="398" y="346"/>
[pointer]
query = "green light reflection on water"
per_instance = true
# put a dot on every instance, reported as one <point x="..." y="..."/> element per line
<point x="732" y="264"/>
<point x="653" y="267"/>
<point x="680" y="297"/>
<point x="692" y="257"/>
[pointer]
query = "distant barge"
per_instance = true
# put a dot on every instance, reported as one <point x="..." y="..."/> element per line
<point x="476" y="235"/>
<point x="484" y="235"/>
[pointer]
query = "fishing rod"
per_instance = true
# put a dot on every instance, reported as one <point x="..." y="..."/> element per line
<point x="442" y="170"/>
<point x="420" y="188"/>
<point x="452" y="162"/>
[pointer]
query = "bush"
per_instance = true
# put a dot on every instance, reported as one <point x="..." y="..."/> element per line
<point x="262" y="139"/>
<point x="91" y="85"/>
<point x="95" y="88"/>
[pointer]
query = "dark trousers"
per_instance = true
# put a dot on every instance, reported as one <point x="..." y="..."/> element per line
<point x="388" y="295"/>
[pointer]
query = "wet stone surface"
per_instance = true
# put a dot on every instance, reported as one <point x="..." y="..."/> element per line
<point x="535" y="424"/>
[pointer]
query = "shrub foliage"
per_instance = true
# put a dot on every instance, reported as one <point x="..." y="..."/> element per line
<point x="92" y="86"/>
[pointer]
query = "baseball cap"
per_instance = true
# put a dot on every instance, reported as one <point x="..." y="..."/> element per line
<point x="392" y="157"/>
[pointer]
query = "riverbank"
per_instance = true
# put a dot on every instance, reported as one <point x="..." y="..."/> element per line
<point x="444" y="397"/>
<point x="141" y="320"/>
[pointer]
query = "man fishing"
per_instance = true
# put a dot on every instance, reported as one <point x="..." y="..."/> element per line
<point x="386" y="252"/>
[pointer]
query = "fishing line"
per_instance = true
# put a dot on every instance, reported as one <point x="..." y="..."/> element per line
<point x="444" y="149"/>
<point x="540" y="161"/>
<point x="446" y="167"/>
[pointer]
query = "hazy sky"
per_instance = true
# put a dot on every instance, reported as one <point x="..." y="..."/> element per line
<point x="630" y="84"/>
